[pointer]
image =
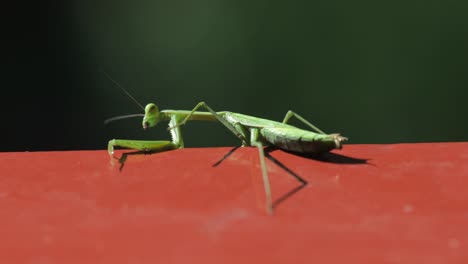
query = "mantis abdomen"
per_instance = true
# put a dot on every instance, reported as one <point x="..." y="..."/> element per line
<point x="298" y="140"/>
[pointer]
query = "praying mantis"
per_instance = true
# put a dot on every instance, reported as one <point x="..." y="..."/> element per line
<point x="252" y="131"/>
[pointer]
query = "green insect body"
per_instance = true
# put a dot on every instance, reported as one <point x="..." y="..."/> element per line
<point x="286" y="137"/>
<point x="252" y="131"/>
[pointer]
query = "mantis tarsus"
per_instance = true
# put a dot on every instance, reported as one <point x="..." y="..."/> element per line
<point x="252" y="131"/>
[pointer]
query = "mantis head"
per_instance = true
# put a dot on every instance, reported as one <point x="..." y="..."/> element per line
<point x="152" y="116"/>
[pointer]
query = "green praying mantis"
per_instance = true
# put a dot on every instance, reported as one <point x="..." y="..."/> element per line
<point x="252" y="131"/>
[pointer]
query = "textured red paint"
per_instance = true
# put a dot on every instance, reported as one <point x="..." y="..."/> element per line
<point x="407" y="204"/>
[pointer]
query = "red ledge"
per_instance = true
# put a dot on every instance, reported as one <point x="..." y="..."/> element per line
<point x="402" y="203"/>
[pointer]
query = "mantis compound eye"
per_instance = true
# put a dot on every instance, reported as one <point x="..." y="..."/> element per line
<point x="151" y="108"/>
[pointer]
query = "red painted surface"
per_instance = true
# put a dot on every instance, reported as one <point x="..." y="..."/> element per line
<point x="407" y="204"/>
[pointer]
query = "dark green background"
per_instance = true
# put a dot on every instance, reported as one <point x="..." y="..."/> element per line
<point x="376" y="71"/>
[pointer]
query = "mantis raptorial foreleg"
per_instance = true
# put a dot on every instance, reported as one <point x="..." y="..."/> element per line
<point x="142" y="145"/>
<point x="254" y="141"/>
<point x="290" y="114"/>
<point x="150" y="145"/>
<point x="217" y="116"/>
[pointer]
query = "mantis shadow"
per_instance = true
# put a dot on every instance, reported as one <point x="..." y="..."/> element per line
<point x="331" y="157"/>
<point x="325" y="157"/>
<point x="267" y="151"/>
<point x="302" y="181"/>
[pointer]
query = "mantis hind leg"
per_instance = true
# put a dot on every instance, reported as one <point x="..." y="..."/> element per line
<point x="254" y="141"/>
<point x="337" y="137"/>
<point x="290" y="114"/>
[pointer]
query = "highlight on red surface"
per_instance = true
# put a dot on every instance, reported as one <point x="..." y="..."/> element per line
<point x="401" y="203"/>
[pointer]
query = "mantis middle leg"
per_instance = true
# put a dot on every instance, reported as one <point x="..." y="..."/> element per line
<point x="238" y="132"/>
<point x="241" y="132"/>
<point x="254" y="141"/>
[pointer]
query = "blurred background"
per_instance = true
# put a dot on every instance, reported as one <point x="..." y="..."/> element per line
<point x="378" y="72"/>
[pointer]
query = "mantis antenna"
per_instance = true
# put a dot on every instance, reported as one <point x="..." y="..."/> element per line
<point x="115" y="118"/>
<point x="124" y="90"/>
